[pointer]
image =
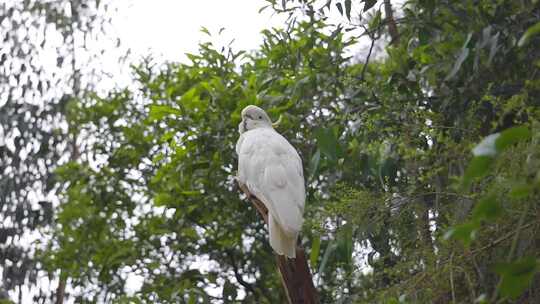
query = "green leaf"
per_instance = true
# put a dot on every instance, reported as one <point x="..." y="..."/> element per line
<point x="205" y="30"/>
<point x="516" y="276"/>
<point x="461" y="58"/>
<point x="314" y="164"/>
<point x="457" y="64"/>
<point x="328" y="143"/>
<point x="263" y="8"/>
<point x="388" y="170"/>
<point x="229" y="291"/>
<point x="340" y="8"/>
<point x="511" y="136"/>
<point x="315" y="250"/>
<point x="157" y="112"/>
<point x="191" y="193"/>
<point x="192" y="298"/>
<point x="478" y="167"/>
<point x="348" y="9"/>
<point x="163" y="199"/>
<point x="487" y="208"/>
<point x="393" y="301"/>
<point x="521" y="190"/>
<point x="345" y="243"/>
<point x="369" y="4"/>
<point x="190" y="233"/>
<point x="529" y="33"/>
<point x="465" y="232"/>
<point x="375" y="21"/>
<point x="328" y="3"/>
<point x="327" y="253"/>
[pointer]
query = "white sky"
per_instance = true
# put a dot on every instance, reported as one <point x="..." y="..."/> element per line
<point x="172" y="27"/>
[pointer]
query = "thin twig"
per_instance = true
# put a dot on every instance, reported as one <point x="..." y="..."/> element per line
<point x="364" y="68"/>
<point x="421" y="276"/>
<point x="238" y="275"/>
<point x="452" y="279"/>
<point x="512" y="249"/>
<point x="502" y="238"/>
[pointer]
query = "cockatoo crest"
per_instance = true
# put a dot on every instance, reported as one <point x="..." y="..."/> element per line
<point x="272" y="170"/>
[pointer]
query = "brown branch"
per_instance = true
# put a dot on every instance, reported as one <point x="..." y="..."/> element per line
<point x="263" y="211"/>
<point x="392" y="27"/>
<point x="295" y="274"/>
<point x="61" y="289"/>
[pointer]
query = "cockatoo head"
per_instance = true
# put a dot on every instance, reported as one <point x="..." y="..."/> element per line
<point x="254" y="117"/>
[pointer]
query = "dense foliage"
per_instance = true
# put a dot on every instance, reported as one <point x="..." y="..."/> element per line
<point x="422" y="164"/>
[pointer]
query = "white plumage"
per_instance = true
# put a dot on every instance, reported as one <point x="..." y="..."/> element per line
<point x="272" y="170"/>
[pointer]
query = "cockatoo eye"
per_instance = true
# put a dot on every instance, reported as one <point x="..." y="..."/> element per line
<point x="260" y="117"/>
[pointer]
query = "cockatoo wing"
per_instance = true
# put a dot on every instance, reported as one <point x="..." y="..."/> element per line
<point x="272" y="170"/>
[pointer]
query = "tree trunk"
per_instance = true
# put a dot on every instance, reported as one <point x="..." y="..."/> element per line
<point x="60" y="290"/>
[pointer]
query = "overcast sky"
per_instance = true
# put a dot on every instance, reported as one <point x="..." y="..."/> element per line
<point x="172" y="27"/>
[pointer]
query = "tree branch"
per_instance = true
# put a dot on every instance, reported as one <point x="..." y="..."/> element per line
<point x="295" y="274"/>
<point x="263" y="211"/>
<point x="238" y="275"/>
<point x="364" y="68"/>
<point x="392" y="27"/>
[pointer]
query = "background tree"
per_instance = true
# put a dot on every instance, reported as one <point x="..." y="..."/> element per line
<point x="47" y="60"/>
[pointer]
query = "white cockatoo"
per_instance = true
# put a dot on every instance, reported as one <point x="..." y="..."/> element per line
<point x="271" y="169"/>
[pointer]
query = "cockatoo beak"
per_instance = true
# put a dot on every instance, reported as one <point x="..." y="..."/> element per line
<point x="276" y="124"/>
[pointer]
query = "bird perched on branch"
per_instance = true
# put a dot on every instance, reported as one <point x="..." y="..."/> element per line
<point x="272" y="170"/>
